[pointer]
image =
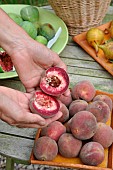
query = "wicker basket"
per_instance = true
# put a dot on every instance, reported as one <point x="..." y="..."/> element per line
<point x="80" y="15"/>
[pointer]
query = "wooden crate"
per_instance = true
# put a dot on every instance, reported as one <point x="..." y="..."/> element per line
<point x="60" y="161"/>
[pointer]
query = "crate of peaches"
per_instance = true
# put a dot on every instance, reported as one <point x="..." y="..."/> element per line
<point x="82" y="137"/>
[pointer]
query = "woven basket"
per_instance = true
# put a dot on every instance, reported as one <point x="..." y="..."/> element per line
<point x="80" y="15"/>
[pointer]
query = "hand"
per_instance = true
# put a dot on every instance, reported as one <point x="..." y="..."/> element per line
<point x="14" y="109"/>
<point x="30" y="58"/>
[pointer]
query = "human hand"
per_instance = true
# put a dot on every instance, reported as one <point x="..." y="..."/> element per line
<point x="31" y="60"/>
<point x="14" y="109"/>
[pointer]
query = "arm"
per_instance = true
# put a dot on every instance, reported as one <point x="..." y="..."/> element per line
<point x="30" y="58"/>
<point x="10" y="33"/>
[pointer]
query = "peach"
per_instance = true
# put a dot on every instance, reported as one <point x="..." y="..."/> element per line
<point x="44" y="105"/>
<point x="83" y="90"/>
<point x="67" y="125"/>
<point x="105" y="99"/>
<point x="103" y="135"/>
<point x="65" y="113"/>
<point x="100" y="110"/>
<point x="83" y="125"/>
<point x="69" y="146"/>
<point x="54" y="130"/>
<point x="92" y="153"/>
<point x="76" y="106"/>
<point x="54" y="81"/>
<point x="66" y="99"/>
<point x="45" y="149"/>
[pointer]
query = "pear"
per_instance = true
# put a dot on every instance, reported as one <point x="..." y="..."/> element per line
<point x="95" y="37"/>
<point x="107" y="49"/>
<point x="109" y="30"/>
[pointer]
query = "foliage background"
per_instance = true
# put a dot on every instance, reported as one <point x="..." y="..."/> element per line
<point x="30" y="2"/>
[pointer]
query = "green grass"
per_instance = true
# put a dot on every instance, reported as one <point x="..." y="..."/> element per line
<point x="111" y="3"/>
<point x="30" y="2"/>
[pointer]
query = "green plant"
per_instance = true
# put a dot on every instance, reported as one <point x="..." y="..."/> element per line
<point x="29" y="2"/>
<point x="111" y="4"/>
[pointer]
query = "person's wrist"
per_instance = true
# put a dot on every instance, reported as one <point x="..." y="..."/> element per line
<point x="11" y="34"/>
<point x="15" y="41"/>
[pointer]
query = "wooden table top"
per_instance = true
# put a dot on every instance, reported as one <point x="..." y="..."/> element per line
<point x="17" y="142"/>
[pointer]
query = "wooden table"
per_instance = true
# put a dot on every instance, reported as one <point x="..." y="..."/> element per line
<point x="16" y="143"/>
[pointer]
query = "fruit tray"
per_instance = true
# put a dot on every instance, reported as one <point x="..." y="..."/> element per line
<point x="61" y="161"/>
<point x="101" y="59"/>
